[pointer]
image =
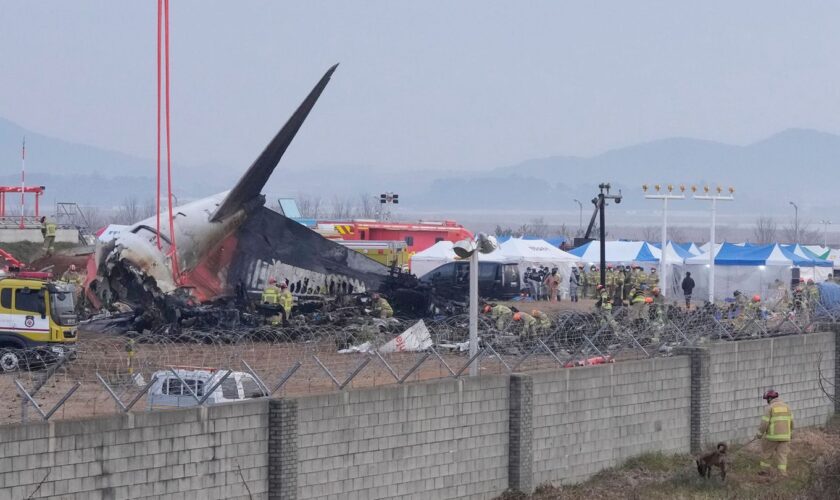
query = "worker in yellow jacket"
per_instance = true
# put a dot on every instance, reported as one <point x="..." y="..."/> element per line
<point x="271" y="296"/>
<point x="381" y="308"/>
<point x="775" y="432"/>
<point x="286" y="301"/>
<point x="48" y="229"/>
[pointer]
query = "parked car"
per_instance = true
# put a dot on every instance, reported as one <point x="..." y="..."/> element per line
<point x="170" y="390"/>
<point x="495" y="280"/>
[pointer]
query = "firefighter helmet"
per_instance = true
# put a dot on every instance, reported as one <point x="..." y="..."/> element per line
<point x="770" y="394"/>
<point x="648" y="300"/>
<point x="487" y="309"/>
<point x="517" y="316"/>
<point x="756" y="298"/>
<point x="272" y="281"/>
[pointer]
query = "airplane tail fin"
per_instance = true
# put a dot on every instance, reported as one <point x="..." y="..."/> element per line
<point x="249" y="185"/>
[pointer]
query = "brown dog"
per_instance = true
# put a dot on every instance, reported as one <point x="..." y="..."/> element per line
<point x="715" y="458"/>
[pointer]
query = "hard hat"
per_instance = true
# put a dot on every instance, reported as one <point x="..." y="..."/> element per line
<point x="653" y="269"/>
<point x="283" y="285"/>
<point x="72" y="267"/>
<point x="770" y="394"/>
<point x="517" y="316"/>
<point x="487" y="309"/>
<point x="736" y="293"/>
<point x="648" y="300"/>
<point x="271" y="281"/>
<point x="756" y="298"/>
<point x="591" y="268"/>
<point x="810" y="281"/>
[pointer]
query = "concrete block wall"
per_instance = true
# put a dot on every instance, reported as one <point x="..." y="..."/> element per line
<point x="438" y="439"/>
<point x="194" y="453"/>
<point x="588" y="419"/>
<point x="740" y="372"/>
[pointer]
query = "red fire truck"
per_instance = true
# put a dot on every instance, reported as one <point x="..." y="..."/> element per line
<point x="417" y="236"/>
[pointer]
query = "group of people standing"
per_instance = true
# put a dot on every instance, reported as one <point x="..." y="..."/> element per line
<point x="542" y="283"/>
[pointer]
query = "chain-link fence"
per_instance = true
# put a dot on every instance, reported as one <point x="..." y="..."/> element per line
<point x="111" y="373"/>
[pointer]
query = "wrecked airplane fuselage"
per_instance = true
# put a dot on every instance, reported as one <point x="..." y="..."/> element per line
<point x="228" y="243"/>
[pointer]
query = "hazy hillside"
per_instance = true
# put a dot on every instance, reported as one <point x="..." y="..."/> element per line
<point x="796" y="164"/>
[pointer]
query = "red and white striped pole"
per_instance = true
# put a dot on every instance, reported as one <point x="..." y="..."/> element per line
<point x="22" y="180"/>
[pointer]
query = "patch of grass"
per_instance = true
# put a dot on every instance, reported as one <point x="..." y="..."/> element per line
<point x="655" y="462"/>
<point x="28" y="251"/>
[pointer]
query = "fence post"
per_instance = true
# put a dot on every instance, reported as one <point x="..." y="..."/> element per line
<point x="836" y="329"/>
<point x="521" y="434"/>
<point x="700" y="361"/>
<point x="282" y="449"/>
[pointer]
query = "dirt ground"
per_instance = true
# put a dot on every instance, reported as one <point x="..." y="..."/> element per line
<point x="813" y="468"/>
<point x="106" y="355"/>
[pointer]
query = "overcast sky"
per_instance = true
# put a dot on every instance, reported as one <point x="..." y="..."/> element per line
<point x="462" y="84"/>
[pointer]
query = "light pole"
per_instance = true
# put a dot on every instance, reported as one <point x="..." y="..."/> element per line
<point x="470" y="248"/>
<point x="795" y="222"/>
<point x="714" y="198"/>
<point x="663" y="260"/>
<point x="825" y="224"/>
<point x="580" y="217"/>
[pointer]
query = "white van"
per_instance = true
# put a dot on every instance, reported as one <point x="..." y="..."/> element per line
<point x="169" y="390"/>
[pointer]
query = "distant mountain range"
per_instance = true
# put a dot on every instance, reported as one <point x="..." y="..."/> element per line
<point x="796" y="164"/>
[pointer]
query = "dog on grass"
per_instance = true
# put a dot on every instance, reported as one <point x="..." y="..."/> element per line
<point x="716" y="458"/>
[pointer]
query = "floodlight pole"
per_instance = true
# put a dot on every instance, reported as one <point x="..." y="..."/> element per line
<point x="825" y="224"/>
<point x="714" y="199"/>
<point x="474" y="367"/>
<point x="663" y="260"/>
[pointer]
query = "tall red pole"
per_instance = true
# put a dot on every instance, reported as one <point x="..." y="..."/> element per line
<point x="22" y="180"/>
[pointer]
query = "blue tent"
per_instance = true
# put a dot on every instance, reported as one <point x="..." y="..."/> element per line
<point x="617" y="251"/>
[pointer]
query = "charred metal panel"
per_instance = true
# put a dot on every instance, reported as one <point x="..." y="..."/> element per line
<point x="271" y="245"/>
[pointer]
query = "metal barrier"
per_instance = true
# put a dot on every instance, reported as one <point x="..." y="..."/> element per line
<point x="108" y="374"/>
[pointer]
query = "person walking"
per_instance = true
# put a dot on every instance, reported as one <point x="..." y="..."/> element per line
<point x="687" y="288"/>
<point x="775" y="432"/>
<point x="574" y="281"/>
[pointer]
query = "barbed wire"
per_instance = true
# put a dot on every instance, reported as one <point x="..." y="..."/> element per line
<point x="315" y="354"/>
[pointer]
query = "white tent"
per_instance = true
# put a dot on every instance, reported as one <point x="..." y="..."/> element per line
<point x="532" y="253"/>
<point x="441" y="253"/>
<point x="753" y="269"/>
<point x="826" y="253"/>
<point x="435" y="256"/>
